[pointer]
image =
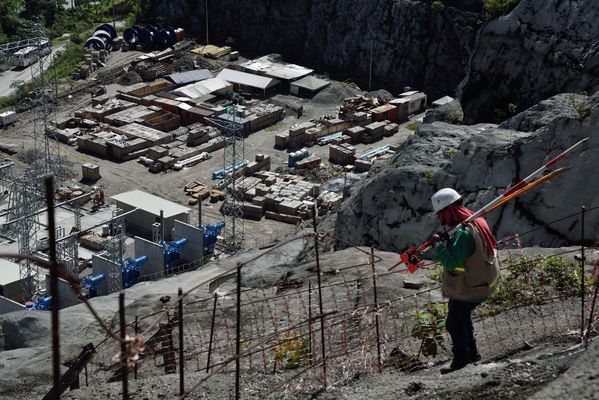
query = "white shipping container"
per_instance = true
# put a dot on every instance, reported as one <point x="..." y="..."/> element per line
<point x="7" y="118"/>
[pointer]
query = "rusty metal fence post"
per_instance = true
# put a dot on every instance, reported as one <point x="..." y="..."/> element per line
<point x="55" y="303"/>
<point x="136" y="332"/>
<point x="181" y="360"/>
<point x="376" y="311"/>
<point x="211" y="332"/>
<point x="310" y="329"/>
<point x="238" y="335"/>
<point x="123" y="346"/>
<point x="582" y="289"/>
<point x="320" y="306"/>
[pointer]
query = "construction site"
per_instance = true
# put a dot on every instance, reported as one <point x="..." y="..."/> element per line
<point x="181" y="219"/>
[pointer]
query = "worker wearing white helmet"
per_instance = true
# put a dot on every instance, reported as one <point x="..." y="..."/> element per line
<point x="470" y="272"/>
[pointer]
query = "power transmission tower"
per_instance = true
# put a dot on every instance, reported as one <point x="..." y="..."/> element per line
<point x="46" y="145"/>
<point x="27" y="192"/>
<point x="234" y="155"/>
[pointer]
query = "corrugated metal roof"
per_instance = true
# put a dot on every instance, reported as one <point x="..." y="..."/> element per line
<point x="311" y="83"/>
<point x="276" y="69"/>
<point x="182" y="78"/>
<point x="243" y="78"/>
<point x="150" y="203"/>
<point x="9" y="272"/>
<point x="202" y="88"/>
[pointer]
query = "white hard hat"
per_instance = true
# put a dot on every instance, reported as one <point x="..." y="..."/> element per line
<point x="444" y="198"/>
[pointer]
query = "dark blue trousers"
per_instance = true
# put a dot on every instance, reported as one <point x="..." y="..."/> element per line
<point x="460" y="328"/>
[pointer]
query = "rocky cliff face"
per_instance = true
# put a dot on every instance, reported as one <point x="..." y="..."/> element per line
<point x="391" y="209"/>
<point x="540" y="49"/>
<point x="412" y="45"/>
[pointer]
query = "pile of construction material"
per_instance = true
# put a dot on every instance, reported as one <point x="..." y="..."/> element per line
<point x="199" y="192"/>
<point x="364" y="162"/>
<point x="361" y="120"/>
<point x="212" y="51"/>
<point x="285" y="198"/>
<point x="342" y="154"/>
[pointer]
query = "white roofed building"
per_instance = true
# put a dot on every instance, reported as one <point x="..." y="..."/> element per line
<point x="148" y="212"/>
<point x="249" y="82"/>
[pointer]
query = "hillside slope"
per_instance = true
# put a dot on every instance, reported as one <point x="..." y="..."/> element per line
<point x="540" y="49"/>
<point x="412" y="45"/>
<point x="391" y="209"/>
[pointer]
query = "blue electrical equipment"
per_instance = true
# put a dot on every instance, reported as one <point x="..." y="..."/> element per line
<point x="172" y="250"/>
<point x="211" y="233"/>
<point x="42" y="304"/>
<point x="132" y="270"/>
<point x="92" y="283"/>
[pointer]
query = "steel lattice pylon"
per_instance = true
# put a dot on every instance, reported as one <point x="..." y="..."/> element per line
<point x="46" y="145"/>
<point x="27" y="192"/>
<point x="234" y="155"/>
<point x="22" y="223"/>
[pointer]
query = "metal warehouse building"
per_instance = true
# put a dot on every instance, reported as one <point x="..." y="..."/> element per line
<point x="148" y="212"/>
<point x="11" y="284"/>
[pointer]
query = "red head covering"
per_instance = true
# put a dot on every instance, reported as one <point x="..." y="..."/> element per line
<point x="457" y="212"/>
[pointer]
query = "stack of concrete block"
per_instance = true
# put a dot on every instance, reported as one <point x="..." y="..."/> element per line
<point x="344" y="154"/>
<point x="341" y="139"/>
<point x="252" y="211"/>
<point x="297" y="134"/>
<point x="355" y="133"/>
<point x="90" y="171"/>
<point x="262" y="162"/>
<point x="243" y="187"/>
<point x="362" y="165"/>
<point x="311" y="162"/>
<point x="200" y="135"/>
<point x="313" y="133"/>
<point x="289" y="207"/>
<point x="361" y="118"/>
<point x="290" y="219"/>
<point x="282" y="140"/>
<point x="391" y="129"/>
<point x="212" y="145"/>
<point x="157" y="152"/>
<point x="374" y="132"/>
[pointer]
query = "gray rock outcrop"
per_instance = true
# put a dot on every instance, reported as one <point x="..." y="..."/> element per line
<point x="391" y="208"/>
<point x="540" y="49"/>
<point x="412" y="45"/>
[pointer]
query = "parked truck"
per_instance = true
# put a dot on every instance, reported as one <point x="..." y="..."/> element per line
<point x="7" y="118"/>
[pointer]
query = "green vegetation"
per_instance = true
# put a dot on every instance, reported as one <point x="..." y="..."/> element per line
<point x="504" y="112"/>
<point x="437" y="274"/>
<point x="411" y="126"/>
<point x="429" y="327"/>
<point x="579" y="105"/>
<point x="291" y="352"/>
<point x="438" y="6"/>
<point x="427" y="177"/>
<point x="530" y="281"/>
<point x="497" y="8"/>
<point x="140" y="10"/>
